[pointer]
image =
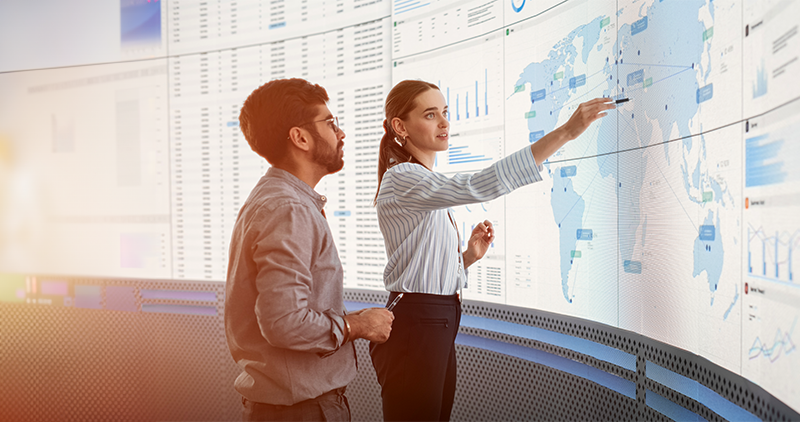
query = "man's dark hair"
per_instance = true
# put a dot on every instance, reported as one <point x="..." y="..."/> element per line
<point x="274" y="108"/>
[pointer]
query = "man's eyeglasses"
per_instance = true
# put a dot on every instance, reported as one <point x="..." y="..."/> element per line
<point x="333" y="123"/>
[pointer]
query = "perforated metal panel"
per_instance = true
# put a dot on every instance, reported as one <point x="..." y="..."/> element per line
<point x="495" y="386"/>
<point x="68" y="363"/>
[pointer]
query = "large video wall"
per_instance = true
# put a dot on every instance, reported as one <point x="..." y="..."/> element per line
<point x="677" y="216"/>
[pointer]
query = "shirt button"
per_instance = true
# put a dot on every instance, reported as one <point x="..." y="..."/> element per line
<point x="323" y="198"/>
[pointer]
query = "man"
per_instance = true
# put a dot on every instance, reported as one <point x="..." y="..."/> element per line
<point x="285" y="320"/>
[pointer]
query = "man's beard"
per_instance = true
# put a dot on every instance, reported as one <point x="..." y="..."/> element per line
<point x="326" y="156"/>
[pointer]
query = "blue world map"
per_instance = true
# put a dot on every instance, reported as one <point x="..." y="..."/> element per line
<point x="656" y="63"/>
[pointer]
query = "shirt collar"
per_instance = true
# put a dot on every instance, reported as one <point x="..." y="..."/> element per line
<point x="299" y="185"/>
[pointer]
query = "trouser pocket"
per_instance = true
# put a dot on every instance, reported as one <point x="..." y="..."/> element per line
<point x="434" y="321"/>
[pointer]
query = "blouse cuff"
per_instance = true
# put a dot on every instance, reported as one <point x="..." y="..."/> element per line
<point x="519" y="169"/>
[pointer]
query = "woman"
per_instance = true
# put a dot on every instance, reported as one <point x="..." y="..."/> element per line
<point x="416" y="367"/>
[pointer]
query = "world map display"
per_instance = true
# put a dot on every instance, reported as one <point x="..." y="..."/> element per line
<point x="646" y="220"/>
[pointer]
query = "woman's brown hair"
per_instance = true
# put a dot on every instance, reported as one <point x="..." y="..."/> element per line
<point x="400" y="101"/>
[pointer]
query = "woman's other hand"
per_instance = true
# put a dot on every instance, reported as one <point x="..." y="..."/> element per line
<point x="479" y="241"/>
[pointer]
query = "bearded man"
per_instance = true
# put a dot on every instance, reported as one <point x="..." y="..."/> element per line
<point x="285" y="320"/>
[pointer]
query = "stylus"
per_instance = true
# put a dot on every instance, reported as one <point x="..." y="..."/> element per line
<point x="394" y="302"/>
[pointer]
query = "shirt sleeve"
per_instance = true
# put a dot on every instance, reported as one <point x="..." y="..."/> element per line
<point x="284" y="251"/>
<point x="416" y="188"/>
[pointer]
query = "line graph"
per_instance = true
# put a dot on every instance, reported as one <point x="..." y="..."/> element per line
<point x="782" y="344"/>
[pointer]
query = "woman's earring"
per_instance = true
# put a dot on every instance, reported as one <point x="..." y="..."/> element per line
<point x="402" y="141"/>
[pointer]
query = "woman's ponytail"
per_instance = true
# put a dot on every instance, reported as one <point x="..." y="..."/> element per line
<point x="390" y="152"/>
<point x="399" y="103"/>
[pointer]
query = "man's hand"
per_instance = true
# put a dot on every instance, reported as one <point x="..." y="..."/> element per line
<point x="373" y="324"/>
<point x="479" y="242"/>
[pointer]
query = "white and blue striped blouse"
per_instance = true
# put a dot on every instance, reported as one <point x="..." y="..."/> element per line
<point x="413" y="207"/>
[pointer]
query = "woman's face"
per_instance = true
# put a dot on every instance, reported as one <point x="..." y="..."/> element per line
<point x="426" y="126"/>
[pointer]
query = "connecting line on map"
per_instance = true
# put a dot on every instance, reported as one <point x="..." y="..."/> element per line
<point x="567" y="87"/>
<point x="579" y="97"/>
<point x="577" y="267"/>
<point x="682" y="138"/>
<point x="572" y="294"/>
<point x="578" y="166"/>
<point x="697" y="229"/>
<point x="625" y="123"/>
<point x="583" y="193"/>
<point x="655" y="65"/>
<point x="588" y="145"/>
<point x="660" y="80"/>
<point x="574" y="283"/>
